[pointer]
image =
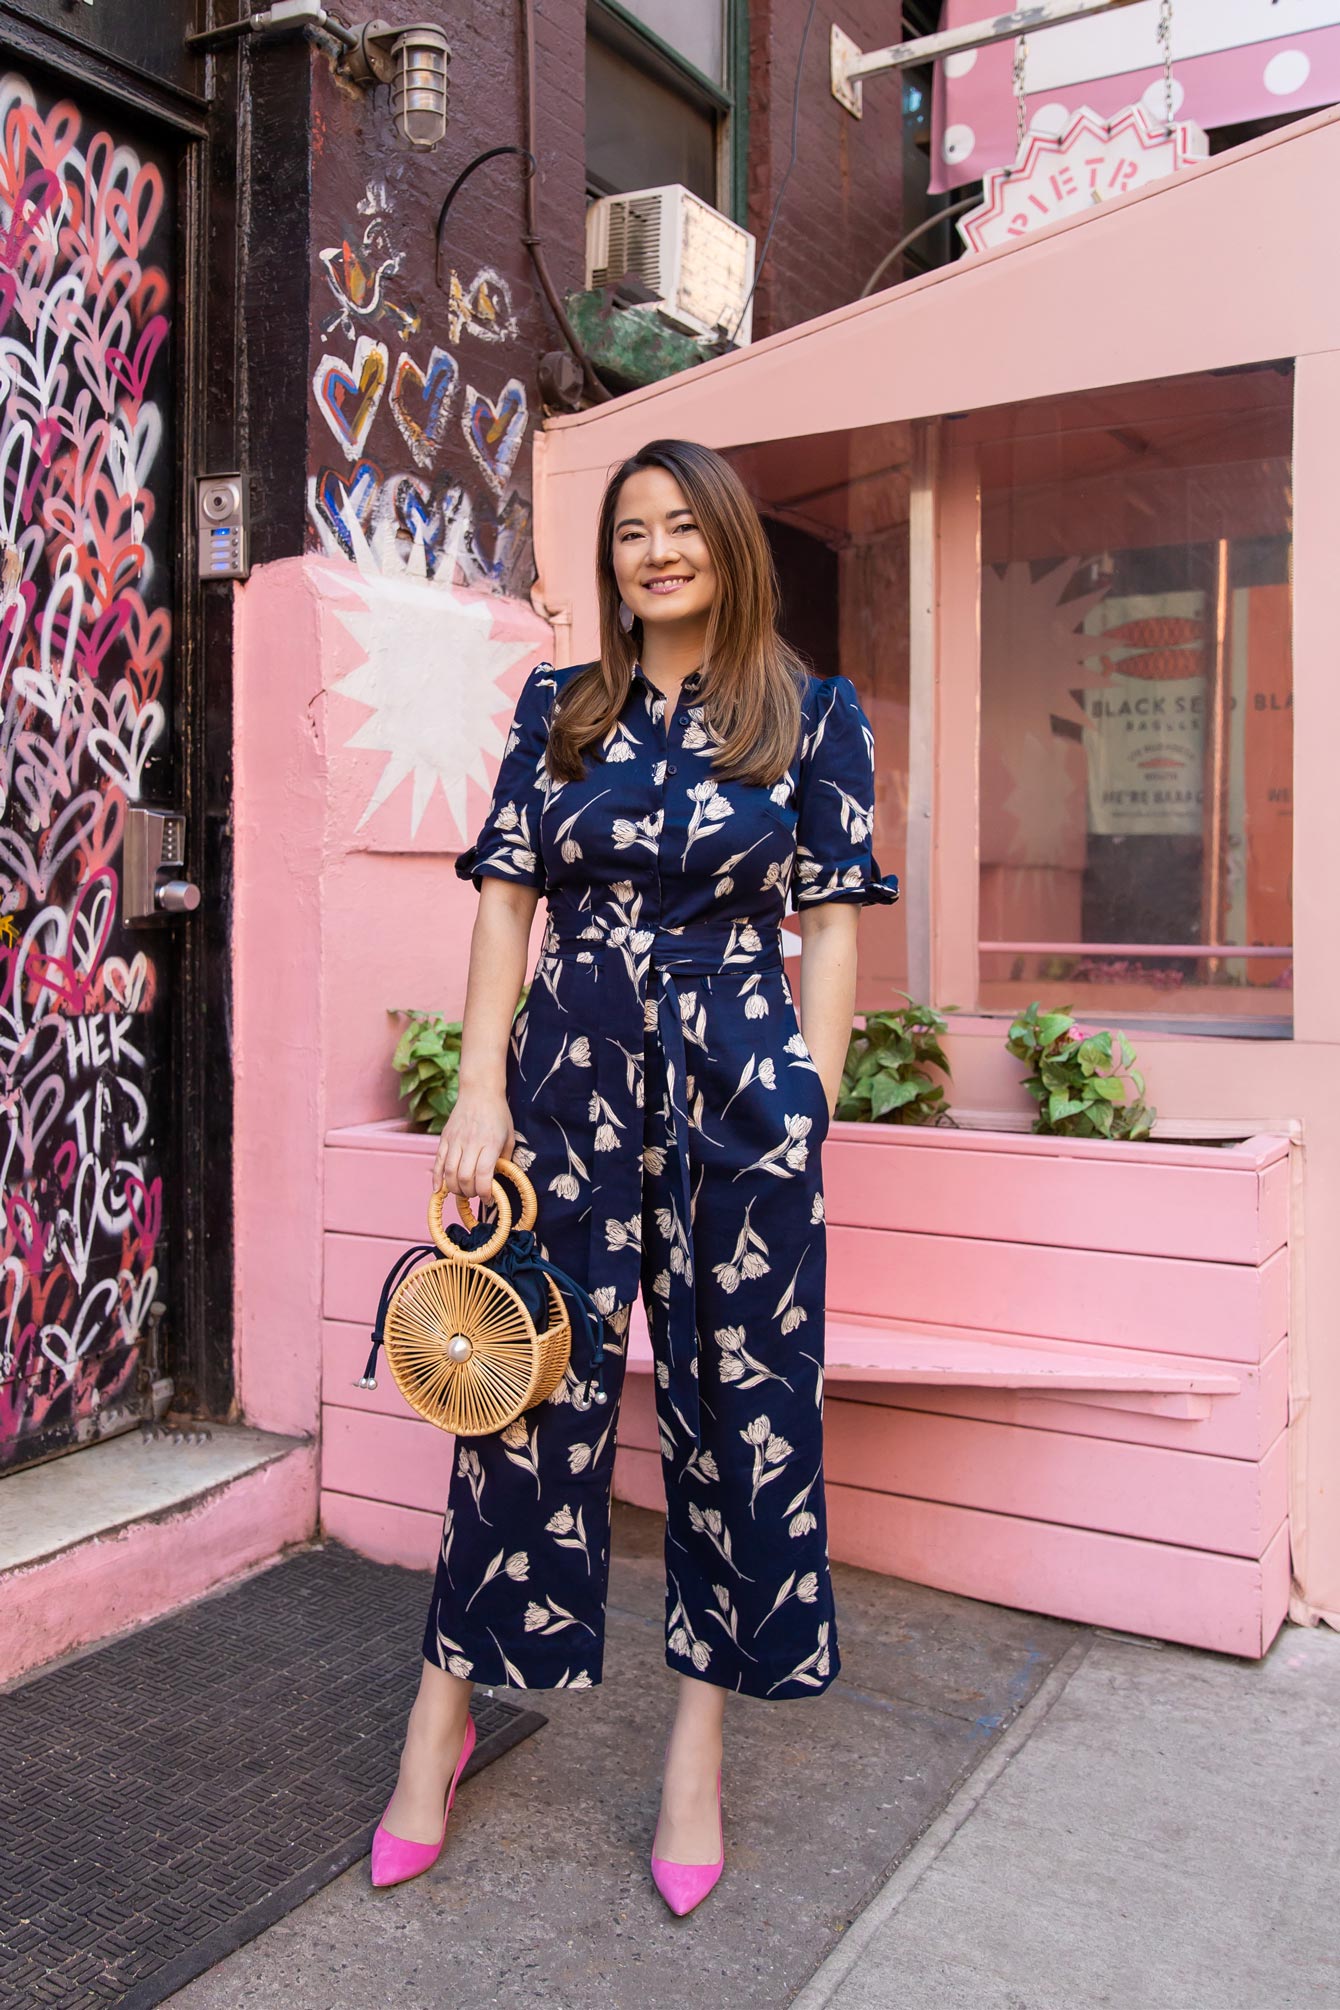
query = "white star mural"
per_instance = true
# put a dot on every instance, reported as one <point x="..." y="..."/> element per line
<point x="430" y="677"/>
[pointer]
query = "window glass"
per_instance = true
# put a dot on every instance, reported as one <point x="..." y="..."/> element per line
<point x="696" y="28"/>
<point x="1136" y="699"/>
<point x="641" y="132"/>
<point x="835" y="506"/>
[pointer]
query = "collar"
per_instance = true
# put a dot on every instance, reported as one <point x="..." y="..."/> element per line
<point x="691" y="685"/>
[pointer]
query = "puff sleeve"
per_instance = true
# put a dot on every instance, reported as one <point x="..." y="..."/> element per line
<point x="508" y="844"/>
<point x="834" y="859"/>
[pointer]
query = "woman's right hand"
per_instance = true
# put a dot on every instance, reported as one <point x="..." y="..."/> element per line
<point x="476" y="1135"/>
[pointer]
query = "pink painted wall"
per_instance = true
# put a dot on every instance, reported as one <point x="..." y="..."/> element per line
<point x="351" y="687"/>
<point x="1215" y="269"/>
<point x="151" y="1566"/>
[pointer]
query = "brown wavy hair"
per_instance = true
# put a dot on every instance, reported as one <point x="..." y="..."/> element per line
<point x="752" y="679"/>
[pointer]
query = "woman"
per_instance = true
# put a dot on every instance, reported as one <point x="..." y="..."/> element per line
<point x="658" y="1090"/>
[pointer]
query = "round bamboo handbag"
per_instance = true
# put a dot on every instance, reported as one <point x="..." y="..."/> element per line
<point x="480" y="1331"/>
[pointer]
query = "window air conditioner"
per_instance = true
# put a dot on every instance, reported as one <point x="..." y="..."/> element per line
<point x="697" y="262"/>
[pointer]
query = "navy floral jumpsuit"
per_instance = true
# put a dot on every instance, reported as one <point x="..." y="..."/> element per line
<point x="670" y="1116"/>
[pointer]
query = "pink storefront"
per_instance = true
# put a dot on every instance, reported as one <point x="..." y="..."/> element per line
<point x="1066" y="512"/>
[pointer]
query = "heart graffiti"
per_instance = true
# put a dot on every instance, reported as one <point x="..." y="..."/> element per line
<point x="494" y="431"/>
<point x="348" y="396"/>
<point x="420" y="400"/>
<point x="86" y="361"/>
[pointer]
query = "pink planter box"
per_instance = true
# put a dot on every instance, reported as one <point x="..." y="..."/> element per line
<point x="1057" y="1372"/>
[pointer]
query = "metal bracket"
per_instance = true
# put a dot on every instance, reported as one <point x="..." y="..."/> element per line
<point x="849" y="64"/>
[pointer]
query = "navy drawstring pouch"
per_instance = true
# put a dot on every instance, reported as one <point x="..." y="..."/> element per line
<point x="521" y="1265"/>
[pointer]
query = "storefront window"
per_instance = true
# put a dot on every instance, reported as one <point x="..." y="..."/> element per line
<point x="1136" y="700"/>
<point x="835" y="506"/>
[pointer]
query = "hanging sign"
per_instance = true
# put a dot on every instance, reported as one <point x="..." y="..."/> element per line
<point x="1065" y="172"/>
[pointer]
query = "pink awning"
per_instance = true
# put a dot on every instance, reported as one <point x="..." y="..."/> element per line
<point x="1232" y="62"/>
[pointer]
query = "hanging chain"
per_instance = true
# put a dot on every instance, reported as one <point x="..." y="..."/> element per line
<point x="1020" y="74"/>
<point x="1165" y="43"/>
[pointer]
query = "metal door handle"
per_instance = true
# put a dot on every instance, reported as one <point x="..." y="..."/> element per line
<point x="177" y="896"/>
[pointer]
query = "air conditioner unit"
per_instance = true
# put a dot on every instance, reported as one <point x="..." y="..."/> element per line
<point x="697" y="262"/>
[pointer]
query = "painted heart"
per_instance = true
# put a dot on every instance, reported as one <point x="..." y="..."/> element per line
<point x="407" y="517"/>
<point x="498" y="540"/>
<point x="133" y="373"/>
<point x="133" y="449"/>
<point x="47" y="686"/>
<point x="14" y="620"/>
<point x="133" y="213"/>
<point x="349" y="398"/>
<point x="341" y="506"/>
<point x="65" y="969"/>
<point x="27" y="1054"/>
<point x="24" y="1227"/>
<point x="41" y="778"/>
<point x="94" y="642"/>
<point x="40" y="193"/>
<point x="106" y="827"/>
<point x="420" y="402"/>
<point x="65" y="1348"/>
<point x="15" y="459"/>
<point x="137" y="1303"/>
<point x="148" y="639"/>
<point x="145" y="1203"/>
<point x="495" y="431"/>
<point x="77" y="1225"/>
<point x="122" y="747"/>
<point x="11" y="1271"/>
<point x="127" y="987"/>
<point x="69" y="834"/>
<point x="125" y="197"/>
<point x="36" y="1110"/>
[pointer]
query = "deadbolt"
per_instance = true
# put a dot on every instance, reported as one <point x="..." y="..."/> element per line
<point x="153" y="882"/>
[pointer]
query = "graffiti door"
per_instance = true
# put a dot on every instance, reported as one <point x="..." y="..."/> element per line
<point x="87" y="503"/>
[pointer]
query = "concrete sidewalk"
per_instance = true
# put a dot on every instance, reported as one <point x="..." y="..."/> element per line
<point x="543" y="1895"/>
<point x="1159" y="1829"/>
<point x="1011" y="1814"/>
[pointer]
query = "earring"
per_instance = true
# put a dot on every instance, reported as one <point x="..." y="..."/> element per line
<point x="626" y="616"/>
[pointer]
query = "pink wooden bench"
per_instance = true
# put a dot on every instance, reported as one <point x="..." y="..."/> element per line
<point x="1080" y="1407"/>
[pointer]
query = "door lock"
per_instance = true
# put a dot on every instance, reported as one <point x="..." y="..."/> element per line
<point x="153" y="877"/>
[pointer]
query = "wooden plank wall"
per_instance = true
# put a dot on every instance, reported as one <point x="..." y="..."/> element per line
<point x="1169" y="1526"/>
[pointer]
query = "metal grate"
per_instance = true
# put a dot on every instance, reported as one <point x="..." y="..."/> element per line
<point x="169" y="1796"/>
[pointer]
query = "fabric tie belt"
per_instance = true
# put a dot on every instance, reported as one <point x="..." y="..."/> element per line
<point x="637" y="995"/>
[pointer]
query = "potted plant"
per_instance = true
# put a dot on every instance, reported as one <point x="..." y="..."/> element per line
<point x="1086" y="1085"/>
<point x="886" y="1079"/>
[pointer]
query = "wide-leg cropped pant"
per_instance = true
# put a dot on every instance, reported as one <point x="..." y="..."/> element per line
<point x="520" y="1587"/>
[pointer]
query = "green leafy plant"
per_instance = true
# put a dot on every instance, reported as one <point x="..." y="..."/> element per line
<point x="428" y="1061"/>
<point x="885" y="1079"/>
<point x="1086" y="1085"/>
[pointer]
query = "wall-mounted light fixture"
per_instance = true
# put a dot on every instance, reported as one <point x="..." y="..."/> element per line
<point x="412" y="60"/>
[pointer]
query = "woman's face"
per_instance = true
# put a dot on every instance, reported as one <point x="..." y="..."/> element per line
<point x="661" y="561"/>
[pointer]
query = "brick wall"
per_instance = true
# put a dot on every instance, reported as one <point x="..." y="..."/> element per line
<point x="423" y="400"/>
<point x="432" y="465"/>
<point x="842" y="207"/>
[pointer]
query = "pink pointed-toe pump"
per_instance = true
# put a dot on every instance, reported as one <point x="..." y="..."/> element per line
<point x="684" y="1885"/>
<point x="393" y="1857"/>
